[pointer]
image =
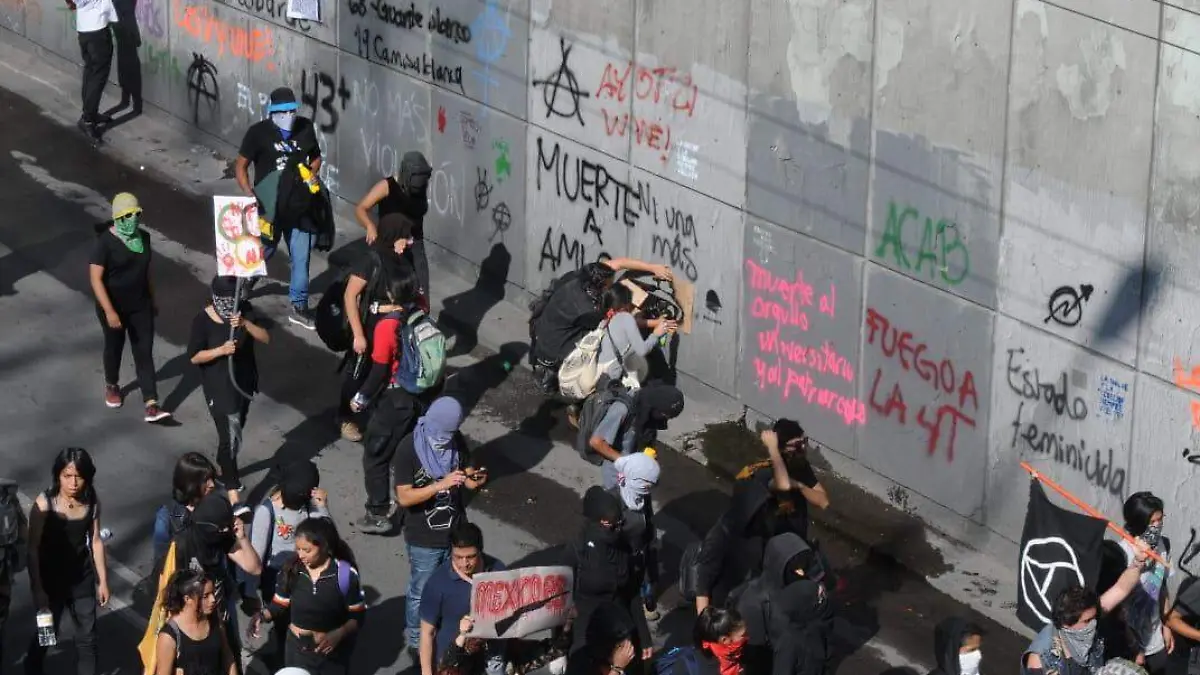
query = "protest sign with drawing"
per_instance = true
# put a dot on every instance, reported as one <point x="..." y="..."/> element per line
<point x="518" y="602"/>
<point x="238" y="236"/>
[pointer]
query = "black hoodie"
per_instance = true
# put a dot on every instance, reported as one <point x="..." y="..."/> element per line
<point x="732" y="551"/>
<point x="947" y="640"/>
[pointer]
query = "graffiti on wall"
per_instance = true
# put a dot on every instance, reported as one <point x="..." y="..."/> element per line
<point x="1191" y="382"/>
<point x="664" y="93"/>
<point x="941" y="253"/>
<point x="374" y="46"/>
<point x="948" y="398"/>
<point x="561" y="92"/>
<point x="203" y="89"/>
<point x="324" y="97"/>
<point x="254" y="45"/>
<point x="492" y="34"/>
<point x="792" y="355"/>
<point x="277" y="10"/>
<point x="395" y="122"/>
<point x="1065" y="306"/>
<point x="1062" y="398"/>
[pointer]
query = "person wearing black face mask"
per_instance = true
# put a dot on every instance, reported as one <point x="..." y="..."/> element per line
<point x="1147" y="604"/>
<point x="788" y="474"/>
<point x="604" y="568"/>
<point x="406" y="193"/>
<point x="211" y="346"/>
<point x="214" y="538"/>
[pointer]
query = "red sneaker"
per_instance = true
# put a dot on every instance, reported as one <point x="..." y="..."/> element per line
<point x="155" y="413"/>
<point x="112" y="396"/>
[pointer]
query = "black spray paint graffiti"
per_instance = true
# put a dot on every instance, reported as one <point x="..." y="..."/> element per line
<point x="202" y="85"/>
<point x="372" y="46"/>
<point x="1066" y="305"/>
<point x="1191" y="456"/>
<point x="1189" y="553"/>
<point x="678" y="251"/>
<point x="483" y="189"/>
<point x="563" y="80"/>
<point x="326" y="115"/>
<point x="470" y="129"/>
<point x="501" y="220"/>
<point x="1028" y="385"/>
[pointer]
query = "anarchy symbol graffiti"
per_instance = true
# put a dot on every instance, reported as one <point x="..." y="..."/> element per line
<point x="563" y="81"/>
<point x="501" y="220"/>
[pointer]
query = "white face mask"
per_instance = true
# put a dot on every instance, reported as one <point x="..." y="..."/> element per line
<point x="968" y="664"/>
<point x="284" y="120"/>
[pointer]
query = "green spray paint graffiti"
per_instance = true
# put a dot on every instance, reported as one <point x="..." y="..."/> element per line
<point x="503" y="166"/>
<point x="942" y="248"/>
<point x="159" y="59"/>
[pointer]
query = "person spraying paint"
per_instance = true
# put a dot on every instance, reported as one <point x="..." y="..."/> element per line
<point x="222" y="345"/>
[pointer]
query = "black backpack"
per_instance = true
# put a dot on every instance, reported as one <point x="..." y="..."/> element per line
<point x="333" y="328"/>
<point x="13" y="530"/>
<point x="594" y="409"/>
<point x="538" y="305"/>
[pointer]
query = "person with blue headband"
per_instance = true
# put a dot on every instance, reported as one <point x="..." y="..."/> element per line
<point x="287" y="158"/>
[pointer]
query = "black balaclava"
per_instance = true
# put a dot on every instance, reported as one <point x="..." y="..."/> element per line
<point x="212" y="527"/>
<point x="655" y="406"/>
<point x="299" y="480"/>
<point x="415" y="173"/>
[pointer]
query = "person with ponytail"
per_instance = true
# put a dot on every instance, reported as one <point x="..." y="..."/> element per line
<point x="191" y="642"/>
<point x="319" y="597"/>
<point x="720" y="636"/>
<point x="119" y="272"/>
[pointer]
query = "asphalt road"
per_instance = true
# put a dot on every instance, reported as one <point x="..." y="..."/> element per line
<point x="54" y="186"/>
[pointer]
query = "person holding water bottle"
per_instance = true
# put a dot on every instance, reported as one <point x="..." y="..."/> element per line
<point x="68" y="571"/>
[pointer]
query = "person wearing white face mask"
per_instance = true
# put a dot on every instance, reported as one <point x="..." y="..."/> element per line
<point x="1068" y="644"/>
<point x="283" y="148"/>
<point x="957" y="647"/>
<point x="1147" y="604"/>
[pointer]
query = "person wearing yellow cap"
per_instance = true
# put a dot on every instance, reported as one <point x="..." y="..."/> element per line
<point x="120" y="277"/>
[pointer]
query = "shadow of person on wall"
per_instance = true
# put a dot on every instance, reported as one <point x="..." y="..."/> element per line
<point x="462" y="314"/>
<point x="128" y="37"/>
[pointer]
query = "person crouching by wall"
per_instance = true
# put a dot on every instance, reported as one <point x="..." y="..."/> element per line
<point x="120" y="279"/>
<point x="221" y="332"/>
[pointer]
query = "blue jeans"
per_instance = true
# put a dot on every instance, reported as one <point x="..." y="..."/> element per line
<point x="421" y="564"/>
<point x="299" y="245"/>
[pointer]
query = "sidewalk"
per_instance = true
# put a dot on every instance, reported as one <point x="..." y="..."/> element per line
<point x="712" y="434"/>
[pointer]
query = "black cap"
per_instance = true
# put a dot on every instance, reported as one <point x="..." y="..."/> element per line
<point x="282" y="100"/>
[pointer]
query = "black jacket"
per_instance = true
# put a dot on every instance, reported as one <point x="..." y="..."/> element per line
<point x="605" y="571"/>
<point x="947" y="640"/>
<point x="569" y="314"/>
<point x="732" y="551"/>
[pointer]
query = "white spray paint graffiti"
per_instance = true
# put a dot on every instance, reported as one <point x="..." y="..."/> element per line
<point x="445" y="192"/>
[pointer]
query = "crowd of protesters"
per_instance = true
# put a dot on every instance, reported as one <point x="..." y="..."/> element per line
<point x="761" y="587"/>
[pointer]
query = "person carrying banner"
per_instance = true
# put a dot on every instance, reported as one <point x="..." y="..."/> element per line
<point x="446" y="599"/>
<point x="1147" y="604"/>
<point x="1068" y="644"/>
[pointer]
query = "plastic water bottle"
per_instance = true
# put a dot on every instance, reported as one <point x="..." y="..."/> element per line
<point x="45" y="629"/>
<point x="507" y="367"/>
<point x="105" y="534"/>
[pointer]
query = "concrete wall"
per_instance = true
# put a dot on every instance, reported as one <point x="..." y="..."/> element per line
<point x="946" y="235"/>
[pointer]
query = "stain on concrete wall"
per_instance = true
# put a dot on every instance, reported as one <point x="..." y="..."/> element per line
<point x="946" y="235"/>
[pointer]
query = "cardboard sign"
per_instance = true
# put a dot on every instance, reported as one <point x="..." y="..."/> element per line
<point x="685" y="295"/>
<point x="518" y="602"/>
<point x="239" y="239"/>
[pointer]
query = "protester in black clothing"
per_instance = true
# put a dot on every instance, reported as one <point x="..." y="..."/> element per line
<point x="789" y="475"/>
<point x="407" y="194"/>
<point x="1184" y="622"/>
<point x="221" y="331"/>
<point x="957" y="647"/>
<point x="13" y="558"/>
<point x="605" y="568"/>
<point x="120" y="280"/>
<point x="282" y="148"/>
<point x="190" y="642"/>
<point x="637" y="474"/>
<point x="572" y="310"/>
<point x="92" y="18"/>
<point x="732" y="550"/>
<point x="215" y="539"/>
<point x="606" y="641"/>
<point x="433" y="470"/>
<point x="365" y="302"/>
<point x="319" y="595"/>
<point x="67" y="568"/>
<point x="393" y="412"/>
<point x="787" y="610"/>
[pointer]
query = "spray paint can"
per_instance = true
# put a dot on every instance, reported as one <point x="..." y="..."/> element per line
<point x="45" y="629"/>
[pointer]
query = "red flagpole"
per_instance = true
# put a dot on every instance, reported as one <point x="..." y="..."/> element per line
<point x="1087" y="508"/>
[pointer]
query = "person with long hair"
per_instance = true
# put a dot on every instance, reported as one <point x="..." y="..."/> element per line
<point x="319" y="596"/>
<point x="623" y="350"/>
<point x="365" y="302"/>
<point x="190" y="642"/>
<point x="119" y="272"/>
<point x="194" y="477"/>
<point x="67" y="568"/>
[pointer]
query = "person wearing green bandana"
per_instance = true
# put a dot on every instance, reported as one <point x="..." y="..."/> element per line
<point x="120" y="276"/>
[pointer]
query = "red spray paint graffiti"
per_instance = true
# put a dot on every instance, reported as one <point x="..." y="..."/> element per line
<point x="667" y="88"/>
<point x="780" y="311"/>
<point x="941" y="376"/>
